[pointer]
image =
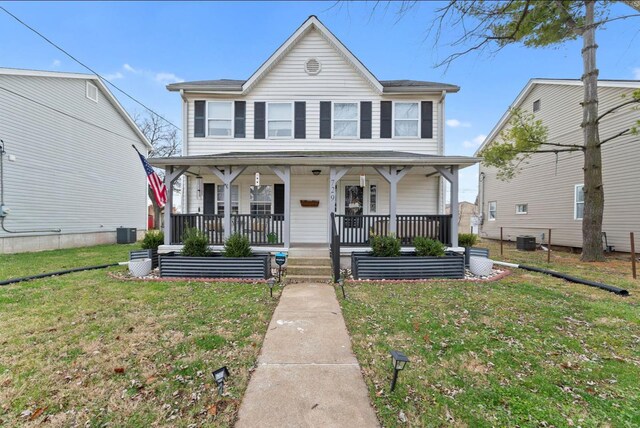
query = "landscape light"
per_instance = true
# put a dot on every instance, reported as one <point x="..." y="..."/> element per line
<point x="399" y="361"/>
<point x="271" y="282"/>
<point x="219" y="376"/>
<point x="341" y="284"/>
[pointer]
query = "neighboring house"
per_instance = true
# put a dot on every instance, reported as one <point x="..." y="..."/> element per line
<point x="547" y="193"/>
<point x="468" y="214"/>
<point x="312" y="134"/>
<point x="71" y="176"/>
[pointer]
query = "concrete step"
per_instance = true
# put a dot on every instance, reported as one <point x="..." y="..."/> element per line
<point x="308" y="270"/>
<point x="308" y="278"/>
<point x="309" y="252"/>
<point x="309" y="261"/>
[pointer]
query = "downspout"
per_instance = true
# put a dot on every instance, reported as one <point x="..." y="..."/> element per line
<point x="441" y="125"/>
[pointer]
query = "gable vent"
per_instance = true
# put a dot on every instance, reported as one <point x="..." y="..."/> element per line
<point x="312" y="66"/>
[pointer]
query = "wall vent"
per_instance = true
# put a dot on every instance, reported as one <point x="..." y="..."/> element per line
<point x="312" y="66"/>
<point x="92" y="92"/>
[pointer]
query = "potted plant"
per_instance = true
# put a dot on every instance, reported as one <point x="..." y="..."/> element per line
<point x="152" y="240"/>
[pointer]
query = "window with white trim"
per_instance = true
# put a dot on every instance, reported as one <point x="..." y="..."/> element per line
<point x="260" y="198"/>
<point x="220" y="199"/>
<point x="220" y="118"/>
<point x="522" y="208"/>
<point x="373" y="199"/>
<point x="493" y="210"/>
<point x="406" y="119"/>
<point x="578" y="206"/>
<point x="280" y="120"/>
<point x="345" y="120"/>
<point x="92" y="92"/>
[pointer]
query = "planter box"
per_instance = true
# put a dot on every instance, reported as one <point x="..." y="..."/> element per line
<point x="145" y="254"/>
<point x="474" y="252"/>
<point x="366" y="266"/>
<point x="176" y="266"/>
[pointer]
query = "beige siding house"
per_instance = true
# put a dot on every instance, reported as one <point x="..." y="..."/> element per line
<point x="547" y="192"/>
<point x="310" y="136"/>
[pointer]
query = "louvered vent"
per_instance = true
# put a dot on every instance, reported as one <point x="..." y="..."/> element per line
<point x="312" y="66"/>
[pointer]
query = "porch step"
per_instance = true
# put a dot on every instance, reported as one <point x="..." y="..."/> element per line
<point x="309" y="261"/>
<point x="307" y="278"/>
<point x="320" y="252"/>
<point x="309" y="270"/>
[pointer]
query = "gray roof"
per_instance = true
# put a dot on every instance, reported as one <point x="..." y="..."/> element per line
<point x="418" y="84"/>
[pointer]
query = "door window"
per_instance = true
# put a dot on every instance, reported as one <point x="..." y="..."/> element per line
<point x="353" y="205"/>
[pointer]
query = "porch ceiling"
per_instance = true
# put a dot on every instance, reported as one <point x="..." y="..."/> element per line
<point x="315" y="158"/>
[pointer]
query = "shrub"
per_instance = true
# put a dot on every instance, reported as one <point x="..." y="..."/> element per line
<point x="428" y="247"/>
<point x="385" y="246"/>
<point x="237" y="246"/>
<point x="467" y="239"/>
<point x="195" y="243"/>
<point x="152" y="240"/>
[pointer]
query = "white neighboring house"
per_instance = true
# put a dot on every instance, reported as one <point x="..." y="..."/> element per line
<point x="71" y="176"/>
<point x="310" y="135"/>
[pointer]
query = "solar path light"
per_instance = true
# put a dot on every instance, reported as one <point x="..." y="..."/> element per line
<point x="399" y="361"/>
<point x="219" y="376"/>
<point x="271" y="282"/>
<point x="341" y="284"/>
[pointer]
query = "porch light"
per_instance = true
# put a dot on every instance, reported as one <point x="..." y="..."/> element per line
<point x="316" y="172"/>
<point x="271" y="282"/>
<point x="399" y="361"/>
<point x="363" y="180"/>
<point x="257" y="179"/>
<point x="219" y="376"/>
<point x="199" y="186"/>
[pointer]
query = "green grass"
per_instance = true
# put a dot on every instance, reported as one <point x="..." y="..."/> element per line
<point x="89" y="349"/>
<point x="529" y="350"/>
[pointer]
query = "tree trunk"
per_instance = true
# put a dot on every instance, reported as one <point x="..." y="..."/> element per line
<point x="593" y="190"/>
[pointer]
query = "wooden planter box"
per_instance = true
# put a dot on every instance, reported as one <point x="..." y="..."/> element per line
<point x="145" y="254"/>
<point x="216" y="266"/>
<point x="366" y="266"/>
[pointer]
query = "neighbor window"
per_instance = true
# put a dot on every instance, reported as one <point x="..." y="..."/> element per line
<point x="493" y="210"/>
<point x="260" y="200"/>
<point x="578" y="210"/>
<point x="522" y="208"/>
<point x="345" y="119"/>
<point x="536" y="105"/>
<point x="406" y="118"/>
<point x="92" y="92"/>
<point x="280" y="120"/>
<point x="220" y="118"/>
<point x="373" y="199"/>
<point x="220" y="199"/>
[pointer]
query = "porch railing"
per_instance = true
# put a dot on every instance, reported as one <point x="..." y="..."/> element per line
<point x="356" y="230"/>
<point x="261" y="229"/>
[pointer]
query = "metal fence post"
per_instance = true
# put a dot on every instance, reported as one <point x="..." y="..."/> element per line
<point x="633" y="255"/>
<point x="501" y="250"/>
<point x="549" y="247"/>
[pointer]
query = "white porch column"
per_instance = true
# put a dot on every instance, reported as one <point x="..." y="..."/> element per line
<point x="452" y="177"/>
<point x="284" y="174"/>
<point x="393" y="177"/>
<point x="335" y="174"/>
<point x="170" y="176"/>
<point x="227" y="176"/>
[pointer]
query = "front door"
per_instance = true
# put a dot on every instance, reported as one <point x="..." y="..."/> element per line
<point x="353" y="205"/>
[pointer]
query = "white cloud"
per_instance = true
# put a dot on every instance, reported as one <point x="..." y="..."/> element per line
<point x="636" y="73"/>
<point x="475" y="142"/>
<point x="130" y="69"/>
<point x="165" y="78"/>
<point x="455" y="123"/>
<point x="56" y="63"/>
<point x="114" y="76"/>
<point x="159" y="77"/>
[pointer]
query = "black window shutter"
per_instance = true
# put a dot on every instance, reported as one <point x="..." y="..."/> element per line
<point x="385" y="119"/>
<point x="426" y="128"/>
<point x="325" y="119"/>
<point x="278" y="198"/>
<point x="365" y="119"/>
<point x="240" y="114"/>
<point x="209" y="198"/>
<point x="259" y="121"/>
<point x="300" y="125"/>
<point x="199" y="119"/>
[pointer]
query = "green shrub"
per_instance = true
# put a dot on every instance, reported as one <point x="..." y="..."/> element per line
<point x="195" y="243"/>
<point x="428" y="247"/>
<point x="152" y="240"/>
<point x="385" y="246"/>
<point x="237" y="246"/>
<point x="467" y="239"/>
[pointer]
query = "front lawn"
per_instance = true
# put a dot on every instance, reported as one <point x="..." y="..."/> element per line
<point x="529" y="350"/>
<point x="88" y="350"/>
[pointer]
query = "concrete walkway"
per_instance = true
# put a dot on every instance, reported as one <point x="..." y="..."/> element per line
<point x="307" y="375"/>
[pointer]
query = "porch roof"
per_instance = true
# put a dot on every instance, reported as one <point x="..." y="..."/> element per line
<point x="316" y="158"/>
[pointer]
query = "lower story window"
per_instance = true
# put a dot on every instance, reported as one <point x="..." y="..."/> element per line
<point x="260" y="198"/>
<point x="220" y="199"/>
<point x="522" y="208"/>
<point x="493" y="210"/>
<point x="578" y="208"/>
<point x="373" y="199"/>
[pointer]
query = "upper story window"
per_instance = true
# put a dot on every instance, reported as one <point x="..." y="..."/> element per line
<point x="406" y="119"/>
<point x="522" y="208"/>
<point x="493" y="210"/>
<point x="578" y="206"/>
<point x="536" y="105"/>
<point x="345" y="120"/>
<point x="280" y="120"/>
<point x="220" y="118"/>
<point x="92" y="92"/>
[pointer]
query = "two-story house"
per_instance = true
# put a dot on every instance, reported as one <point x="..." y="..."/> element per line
<point x="313" y="136"/>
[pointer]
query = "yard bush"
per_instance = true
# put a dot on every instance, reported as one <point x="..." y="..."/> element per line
<point x="467" y="239"/>
<point x="385" y="246"/>
<point x="195" y="243"/>
<point x="152" y="240"/>
<point x="237" y="246"/>
<point x="428" y="247"/>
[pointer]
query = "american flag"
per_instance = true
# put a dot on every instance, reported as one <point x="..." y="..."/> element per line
<point x="158" y="187"/>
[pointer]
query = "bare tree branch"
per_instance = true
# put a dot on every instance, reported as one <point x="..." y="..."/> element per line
<point x="613" y="137"/>
<point x="618" y="107"/>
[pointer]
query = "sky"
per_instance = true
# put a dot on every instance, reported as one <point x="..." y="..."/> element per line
<point x="143" y="46"/>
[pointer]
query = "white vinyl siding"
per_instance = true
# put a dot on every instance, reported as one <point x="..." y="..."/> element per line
<point x="280" y="120"/>
<point x="346" y="120"/>
<point x="578" y="201"/>
<point x="220" y="118"/>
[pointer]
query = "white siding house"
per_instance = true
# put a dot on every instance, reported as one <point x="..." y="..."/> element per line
<point x="70" y="175"/>
<point x="326" y="137"/>
<point x="547" y="192"/>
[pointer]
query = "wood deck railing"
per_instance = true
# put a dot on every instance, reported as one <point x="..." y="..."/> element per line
<point x="261" y="229"/>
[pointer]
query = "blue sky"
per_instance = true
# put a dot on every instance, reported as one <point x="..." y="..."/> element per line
<point x="143" y="46"/>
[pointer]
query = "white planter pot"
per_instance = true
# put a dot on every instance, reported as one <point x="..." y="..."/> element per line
<point x="140" y="267"/>
<point x="480" y="266"/>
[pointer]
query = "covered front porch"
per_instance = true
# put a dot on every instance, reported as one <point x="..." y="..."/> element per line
<point x="279" y="200"/>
